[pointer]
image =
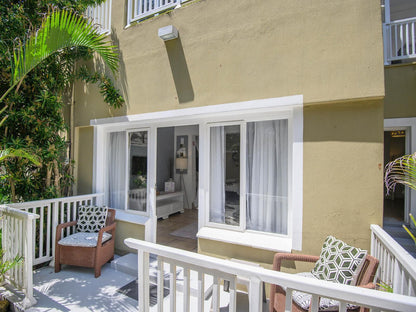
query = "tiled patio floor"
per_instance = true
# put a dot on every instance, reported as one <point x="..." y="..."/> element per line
<point x="76" y="289"/>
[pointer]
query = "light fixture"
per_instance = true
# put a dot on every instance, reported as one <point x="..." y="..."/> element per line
<point x="398" y="134"/>
<point x="181" y="163"/>
<point x="168" y="32"/>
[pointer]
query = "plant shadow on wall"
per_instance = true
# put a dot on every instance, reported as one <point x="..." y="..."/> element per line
<point x="180" y="72"/>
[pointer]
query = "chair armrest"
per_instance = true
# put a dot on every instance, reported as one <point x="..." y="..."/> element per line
<point x="369" y="286"/>
<point x="109" y="228"/>
<point x="278" y="257"/>
<point x="62" y="226"/>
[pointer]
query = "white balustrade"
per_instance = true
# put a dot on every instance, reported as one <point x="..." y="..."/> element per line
<point x="397" y="267"/>
<point x="399" y="40"/>
<point x="51" y="212"/>
<point x="199" y="265"/>
<point x="101" y="15"/>
<point x="140" y="9"/>
<point x="17" y="241"/>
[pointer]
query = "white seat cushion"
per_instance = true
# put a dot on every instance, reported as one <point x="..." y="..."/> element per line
<point x="325" y="304"/>
<point x="82" y="239"/>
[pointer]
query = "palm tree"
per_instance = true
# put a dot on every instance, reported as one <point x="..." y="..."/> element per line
<point x="60" y="29"/>
<point x="402" y="171"/>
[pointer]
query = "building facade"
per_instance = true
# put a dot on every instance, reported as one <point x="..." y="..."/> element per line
<point x="276" y="107"/>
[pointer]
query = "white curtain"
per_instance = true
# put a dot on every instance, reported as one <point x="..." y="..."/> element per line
<point x="267" y="181"/>
<point x="117" y="170"/>
<point x="217" y="175"/>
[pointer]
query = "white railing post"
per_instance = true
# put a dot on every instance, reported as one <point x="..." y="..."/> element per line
<point x="143" y="280"/>
<point x="55" y="214"/>
<point x="256" y="295"/>
<point x="28" y="262"/>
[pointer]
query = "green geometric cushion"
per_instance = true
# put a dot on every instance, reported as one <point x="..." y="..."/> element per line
<point x="339" y="262"/>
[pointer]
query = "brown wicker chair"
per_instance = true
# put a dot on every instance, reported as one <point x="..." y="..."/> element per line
<point x="90" y="257"/>
<point x="278" y="294"/>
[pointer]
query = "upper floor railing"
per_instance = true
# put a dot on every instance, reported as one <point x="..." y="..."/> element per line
<point x="140" y="9"/>
<point x="101" y="16"/>
<point x="399" y="40"/>
<point x="199" y="266"/>
<point x="397" y="267"/>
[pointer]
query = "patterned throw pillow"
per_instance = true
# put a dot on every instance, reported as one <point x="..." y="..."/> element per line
<point x="91" y="218"/>
<point x="339" y="262"/>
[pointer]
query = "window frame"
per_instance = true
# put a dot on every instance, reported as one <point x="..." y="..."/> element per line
<point x="253" y="110"/>
<point x="243" y="172"/>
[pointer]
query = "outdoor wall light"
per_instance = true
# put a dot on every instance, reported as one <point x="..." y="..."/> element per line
<point x="168" y="32"/>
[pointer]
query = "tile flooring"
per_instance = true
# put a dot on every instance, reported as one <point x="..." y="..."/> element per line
<point x="173" y="223"/>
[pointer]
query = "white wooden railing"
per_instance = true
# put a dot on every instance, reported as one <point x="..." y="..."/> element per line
<point x="139" y="9"/>
<point x="399" y="40"/>
<point x="138" y="199"/>
<point x="194" y="264"/>
<point x="51" y="212"/>
<point x="397" y="267"/>
<point x="17" y="241"/>
<point x="101" y="15"/>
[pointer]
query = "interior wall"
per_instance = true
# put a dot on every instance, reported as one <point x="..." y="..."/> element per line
<point x="165" y="156"/>
<point x="189" y="177"/>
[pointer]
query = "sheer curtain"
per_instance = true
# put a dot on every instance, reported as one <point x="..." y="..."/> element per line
<point x="117" y="170"/>
<point x="217" y="175"/>
<point x="267" y="181"/>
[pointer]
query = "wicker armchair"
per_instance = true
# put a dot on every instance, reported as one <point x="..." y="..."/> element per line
<point x="89" y="255"/>
<point x="278" y="294"/>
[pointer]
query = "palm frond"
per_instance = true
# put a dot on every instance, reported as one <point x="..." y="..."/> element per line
<point x="401" y="171"/>
<point x="20" y="153"/>
<point x="60" y="29"/>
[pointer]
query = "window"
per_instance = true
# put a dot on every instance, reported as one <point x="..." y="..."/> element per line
<point x="127" y="166"/>
<point x="257" y="151"/>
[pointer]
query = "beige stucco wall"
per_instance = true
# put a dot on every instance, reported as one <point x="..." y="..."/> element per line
<point x="239" y="50"/>
<point x="400" y="84"/>
<point x="83" y="153"/>
<point x="127" y="230"/>
<point x="231" y="51"/>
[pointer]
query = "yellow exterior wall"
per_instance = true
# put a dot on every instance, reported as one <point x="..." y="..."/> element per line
<point x="127" y="230"/>
<point x="400" y="84"/>
<point x="83" y="153"/>
<point x="230" y="51"/>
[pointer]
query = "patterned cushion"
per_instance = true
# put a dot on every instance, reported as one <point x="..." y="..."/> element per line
<point x="83" y="239"/>
<point x="91" y="218"/>
<point x="325" y="304"/>
<point x="339" y="262"/>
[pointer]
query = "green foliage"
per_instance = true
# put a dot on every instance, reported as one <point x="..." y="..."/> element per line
<point x="32" y="117"/>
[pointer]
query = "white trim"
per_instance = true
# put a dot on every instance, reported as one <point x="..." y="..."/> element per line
<point x="252" y="239"/>
<point x="127" y="216"/>
<point x="290" y="107"/>
<point x="182" y="116"/>
<point x="408" y="124"/>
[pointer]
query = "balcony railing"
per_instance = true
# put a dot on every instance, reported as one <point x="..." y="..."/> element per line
<point x="101" y="16"/>
<point x="29" y="231"/>
<point x="399" y="40"/>
<point x="199" y="266"/>
<point x="397" y="267"/>
<point x="140" y="9"/>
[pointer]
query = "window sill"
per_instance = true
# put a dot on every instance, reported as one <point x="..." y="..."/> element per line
<point x="250" y="239"/>
<point x="125" y="216"/>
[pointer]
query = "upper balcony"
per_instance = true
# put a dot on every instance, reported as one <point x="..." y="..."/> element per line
<point x="399" y="31"/>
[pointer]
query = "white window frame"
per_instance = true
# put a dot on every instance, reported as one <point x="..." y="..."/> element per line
<point x="290" y="107"/>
